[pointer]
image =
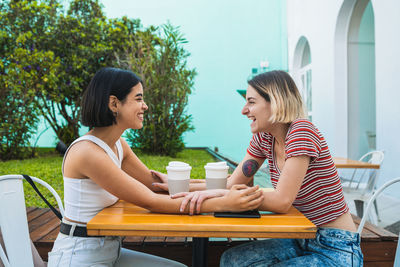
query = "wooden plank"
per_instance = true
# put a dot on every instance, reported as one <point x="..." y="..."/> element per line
<point x="51" y="236"/>
<point x="43" y="249"/>
<point x="382" y="233"/>
<point x="379" y="264"/>
<point x="35" y="213"/>
<point x="176" y="239"/>
<point x="366" y="235"/>
<point x="379" y="251"/>
<point x="30" y="209"/>
<point x="38" y="221"/>
<point x="154" y="239"/>
<point x="41" y="231"/>
<point x="133" y="239"/>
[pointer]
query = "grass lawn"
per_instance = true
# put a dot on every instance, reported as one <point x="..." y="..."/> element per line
<point x="48" y="168"/>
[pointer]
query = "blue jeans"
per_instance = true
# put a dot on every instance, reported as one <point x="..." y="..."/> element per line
<point x="331" y="247"/>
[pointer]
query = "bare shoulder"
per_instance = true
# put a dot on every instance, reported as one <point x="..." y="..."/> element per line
<point x="124" y="144"/>
<point x="81" y="155"/>
<point x="126" y="148"/>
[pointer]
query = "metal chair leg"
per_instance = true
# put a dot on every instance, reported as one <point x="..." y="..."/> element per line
<point x="359" y="207"/>
<point x="376" y="210"/>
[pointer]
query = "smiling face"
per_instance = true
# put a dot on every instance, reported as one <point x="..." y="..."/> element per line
<point x="132" y="108"/>
<point x="258" y="110"/>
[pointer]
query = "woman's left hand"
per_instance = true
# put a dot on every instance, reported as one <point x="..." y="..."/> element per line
<point x="196" y="198"/>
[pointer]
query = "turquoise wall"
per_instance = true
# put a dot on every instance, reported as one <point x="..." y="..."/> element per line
<point x="227" y="38"/>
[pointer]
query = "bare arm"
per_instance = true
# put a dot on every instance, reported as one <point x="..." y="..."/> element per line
<point x="197" y="185"/>
<point x="89" y="160"/>
<point x="135" y="168"/>
<point x="244" y="172"/>
<point x="290" y="180"/>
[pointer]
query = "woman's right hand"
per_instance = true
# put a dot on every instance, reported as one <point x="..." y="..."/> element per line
<point x="241" y="198"/>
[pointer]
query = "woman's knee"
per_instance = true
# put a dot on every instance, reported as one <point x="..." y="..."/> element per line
<point x="268" y="251"/>
<point x="225" y="258"/>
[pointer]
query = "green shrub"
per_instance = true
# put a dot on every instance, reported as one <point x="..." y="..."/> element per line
<point x="157" y="55"/>
<point x="23" y="70"/>
<point x="48" y="56"/>
<point x="52" y="55"/>
<point x="17" y="123"/>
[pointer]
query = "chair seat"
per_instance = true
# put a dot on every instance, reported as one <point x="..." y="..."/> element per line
<point x="355" y="196"/>
<point x="360" y="191"/>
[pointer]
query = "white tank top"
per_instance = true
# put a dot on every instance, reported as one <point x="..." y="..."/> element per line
<point x="83" y="198"/>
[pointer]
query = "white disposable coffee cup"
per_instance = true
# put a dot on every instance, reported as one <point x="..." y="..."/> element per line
<point x="216" y="175"/>
<point x="178" y="177"/>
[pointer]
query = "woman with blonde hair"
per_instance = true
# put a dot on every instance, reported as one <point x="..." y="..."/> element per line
<point x="303" y="175"/>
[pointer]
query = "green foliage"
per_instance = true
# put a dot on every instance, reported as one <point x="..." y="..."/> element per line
<point x="48" y="56"/>
<point x="48" y="168"/>
<point x="16" y="124"/>
<point x="24" y="70"/>
<point x="158" y="56"/>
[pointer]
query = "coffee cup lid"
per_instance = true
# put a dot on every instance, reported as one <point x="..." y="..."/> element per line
<point x="178" y="164"/>
<point x="221" y="165"/>
<point x="178" y="168"/>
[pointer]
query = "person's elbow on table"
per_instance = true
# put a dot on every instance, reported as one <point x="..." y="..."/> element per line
<point x="275" y="202"/>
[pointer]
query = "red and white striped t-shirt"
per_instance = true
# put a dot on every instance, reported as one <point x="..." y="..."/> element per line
<point x="320" y="197"/>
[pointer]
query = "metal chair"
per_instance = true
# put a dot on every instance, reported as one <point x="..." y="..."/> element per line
<point x="14" y="223"/>
<point x="362" y="183"/>
<point x="364" y="218"/>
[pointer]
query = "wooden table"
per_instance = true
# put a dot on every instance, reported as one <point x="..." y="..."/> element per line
<point x="343" y="163"/>
<point x="126" y="219"/>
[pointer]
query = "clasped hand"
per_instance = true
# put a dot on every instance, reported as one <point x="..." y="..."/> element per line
<point x="239" y="198"/>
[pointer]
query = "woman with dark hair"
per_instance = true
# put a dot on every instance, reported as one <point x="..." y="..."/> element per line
<point x="303" y="175"/>
<point x="99" y="168"/>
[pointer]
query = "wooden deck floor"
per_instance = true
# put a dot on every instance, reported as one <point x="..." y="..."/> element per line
<point x="377" y="244"/>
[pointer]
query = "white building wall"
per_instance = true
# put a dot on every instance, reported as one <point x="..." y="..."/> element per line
<point x="316" y="20"/>
<point x="387" y="52"/>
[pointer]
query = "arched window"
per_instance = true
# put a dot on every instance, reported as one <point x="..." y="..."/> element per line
<point x="303" y="73"/>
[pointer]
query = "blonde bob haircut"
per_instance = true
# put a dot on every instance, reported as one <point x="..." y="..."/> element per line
<point x="278" y="88"/>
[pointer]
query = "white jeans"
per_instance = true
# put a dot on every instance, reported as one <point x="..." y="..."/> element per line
<point x="71" y="251"/>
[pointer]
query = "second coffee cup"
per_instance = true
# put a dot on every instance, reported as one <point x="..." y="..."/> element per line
<point x="216" y="175"/>
<point x="178" y="177"/>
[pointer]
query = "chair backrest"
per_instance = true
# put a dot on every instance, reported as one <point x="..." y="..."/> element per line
<point x="375" y="157"/>
<point x="13" y="220"/>
<point x="367" y="176"/>
<point x="371" y="201"/>
<point x="364" y="218"/>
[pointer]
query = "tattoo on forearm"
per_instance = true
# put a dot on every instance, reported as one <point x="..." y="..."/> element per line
<point x="250" y="167"/>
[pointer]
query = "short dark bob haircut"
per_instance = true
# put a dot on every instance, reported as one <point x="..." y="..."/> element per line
<point x="106" y="82"/>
